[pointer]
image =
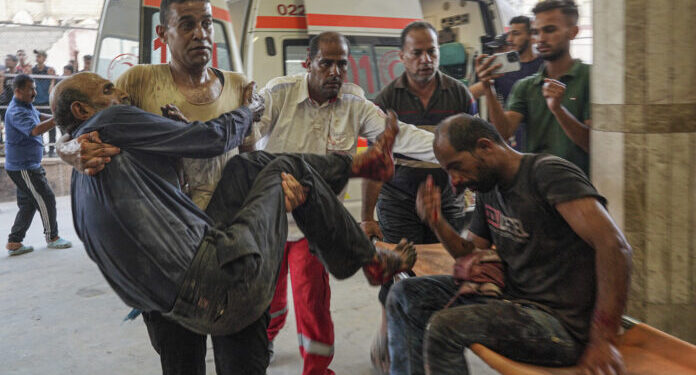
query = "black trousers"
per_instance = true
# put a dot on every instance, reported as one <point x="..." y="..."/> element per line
<point x="182" y="351"/>
<point x="33" y="193"/>
<point x="232" y="278"/>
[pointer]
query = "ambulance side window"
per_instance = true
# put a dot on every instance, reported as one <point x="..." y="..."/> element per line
<point x="372" y="64"/>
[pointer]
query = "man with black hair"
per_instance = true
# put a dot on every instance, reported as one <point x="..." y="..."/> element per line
<point x="519" y="38"/>
<point x="87" y="63"/>
<point x="554" y="102"/>
<point x="24" y="150"/>
<point x="201" y="93"/>
<point x="317" y="112"/>
<point x="567" y="264"/>
<point x="42" y="91"/>
<point x="422" y="96"/>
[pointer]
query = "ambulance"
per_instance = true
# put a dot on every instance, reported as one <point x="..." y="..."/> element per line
<point x="269" y="38"/>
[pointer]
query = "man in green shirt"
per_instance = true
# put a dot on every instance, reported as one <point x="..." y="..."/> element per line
<point x="555" y="102"/>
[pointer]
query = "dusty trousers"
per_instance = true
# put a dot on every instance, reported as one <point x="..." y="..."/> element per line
<point x="232" y="277"/>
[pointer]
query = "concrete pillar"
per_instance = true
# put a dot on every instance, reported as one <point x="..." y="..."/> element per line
<point x="643" y="149"/>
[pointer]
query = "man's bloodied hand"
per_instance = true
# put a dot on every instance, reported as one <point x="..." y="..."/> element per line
<point x="295" y="193"/>
<point x="428" y="206"/>
<point x="173" y="112"/>
<point x="86" y="153"/>
<point x="253" y="101"/>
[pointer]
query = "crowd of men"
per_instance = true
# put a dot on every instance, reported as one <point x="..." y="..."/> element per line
<point x="177" y="143"/>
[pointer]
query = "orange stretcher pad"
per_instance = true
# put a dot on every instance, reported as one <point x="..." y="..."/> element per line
<point x="646" y="350"/>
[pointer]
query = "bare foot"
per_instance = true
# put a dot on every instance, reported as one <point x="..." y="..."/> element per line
<point x="388" y="263"/>
<point x="377" y="162"/>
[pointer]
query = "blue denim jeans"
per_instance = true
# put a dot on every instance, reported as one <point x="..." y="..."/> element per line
<point x="424" y="336"/>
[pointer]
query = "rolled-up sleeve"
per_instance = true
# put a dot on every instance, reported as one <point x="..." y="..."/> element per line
<point x="411" y="141"/>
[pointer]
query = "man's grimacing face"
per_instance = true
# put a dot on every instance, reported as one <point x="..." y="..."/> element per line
<point x="466" y="170"/>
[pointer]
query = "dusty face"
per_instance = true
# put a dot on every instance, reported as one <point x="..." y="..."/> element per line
<point x="102" y="92"/>
<point x="189" y="33"/>
<point x="518" y="37"/>
<point x="328" y="69"/>
<point x="87" y="64"/>
<point x="27" y="93"/>
<point x="466" y="170"/>
<point x="552" y="32"/>
<point x="420" y="55"/>
<point x="40" y="59"/>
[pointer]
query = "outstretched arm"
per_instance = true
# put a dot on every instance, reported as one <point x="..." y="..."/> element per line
<point x="44" y="126"/>
<point x="506" y="122"/>
<point x="591" y="221"/>
<point x="131" y="128"/>
<point x="411" y="141"/>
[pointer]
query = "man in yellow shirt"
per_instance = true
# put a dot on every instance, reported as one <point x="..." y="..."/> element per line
<point x="201" y="93"/>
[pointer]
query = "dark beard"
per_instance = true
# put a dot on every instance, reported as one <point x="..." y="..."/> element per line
<point x="485" y="183"/>
<point x="486" y="180"/>
<point x="524" y="47"/>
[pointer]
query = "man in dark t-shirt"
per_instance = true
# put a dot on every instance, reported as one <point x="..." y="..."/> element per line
<point x="422" y="96"/>
<point x="566" y="263"/>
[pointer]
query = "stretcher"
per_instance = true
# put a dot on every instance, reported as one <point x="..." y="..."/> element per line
<point x="645" y="350"/>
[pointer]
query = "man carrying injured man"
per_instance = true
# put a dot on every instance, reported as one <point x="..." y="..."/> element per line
<point x="212" y="272"/>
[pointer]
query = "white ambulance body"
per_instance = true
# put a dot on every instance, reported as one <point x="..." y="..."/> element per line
<point x="269" y="38"/>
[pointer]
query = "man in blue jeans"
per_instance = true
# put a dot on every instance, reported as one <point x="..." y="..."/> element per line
<point x="567" y="264"/>
<point x="24" y="149"/>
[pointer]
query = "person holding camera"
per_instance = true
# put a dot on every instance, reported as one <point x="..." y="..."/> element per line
<point x="518" y="39"/>
<point x="555" y="102"/>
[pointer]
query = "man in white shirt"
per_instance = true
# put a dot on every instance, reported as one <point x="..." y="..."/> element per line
<point x="317" y="112"/>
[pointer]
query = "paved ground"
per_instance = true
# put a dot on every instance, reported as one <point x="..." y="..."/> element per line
<point x="58" y="316"/>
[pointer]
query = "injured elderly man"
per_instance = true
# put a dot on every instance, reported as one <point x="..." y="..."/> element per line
<point x="214" y="271"/>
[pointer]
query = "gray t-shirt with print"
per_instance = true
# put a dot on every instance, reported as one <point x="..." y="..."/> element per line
<point x="545" y="261"/>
